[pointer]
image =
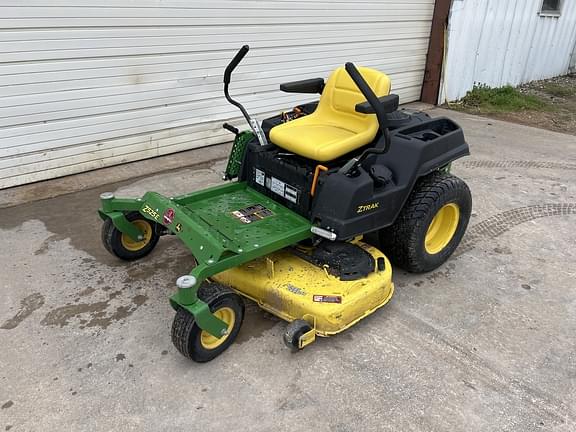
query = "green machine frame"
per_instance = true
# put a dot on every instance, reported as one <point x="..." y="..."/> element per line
<point x="211" y="225"/>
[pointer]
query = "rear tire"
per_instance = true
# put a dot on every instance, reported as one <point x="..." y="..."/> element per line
<point x="197" y="344"/>
<point x="431" y="224"/>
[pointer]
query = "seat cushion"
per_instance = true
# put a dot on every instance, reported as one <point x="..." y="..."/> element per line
<point x="335" y="128"/>
<point x="317" y="141"/>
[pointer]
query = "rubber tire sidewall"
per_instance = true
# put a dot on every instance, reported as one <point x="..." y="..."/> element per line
<point x="293" y="332"/>
<point x="404" y="242"/>
<point x="186" y="333"/>
<point x="433" y="261"/>
<point x="112" y="239"/>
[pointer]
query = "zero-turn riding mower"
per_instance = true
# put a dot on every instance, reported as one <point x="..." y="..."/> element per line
<point x="287" y="230"/>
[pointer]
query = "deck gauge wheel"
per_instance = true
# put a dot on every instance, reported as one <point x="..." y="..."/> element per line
<point x="294" y="331"/>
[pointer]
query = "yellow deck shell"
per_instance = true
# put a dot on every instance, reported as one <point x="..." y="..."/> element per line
<point x="285" y="285"/>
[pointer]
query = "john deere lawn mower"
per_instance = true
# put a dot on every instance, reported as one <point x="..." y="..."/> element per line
<point x="316" y="200"/>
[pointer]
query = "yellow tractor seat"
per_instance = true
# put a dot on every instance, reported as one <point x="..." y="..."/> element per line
<point x="335" y="128"/>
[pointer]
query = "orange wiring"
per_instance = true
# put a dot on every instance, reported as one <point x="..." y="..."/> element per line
<point x="316" y="174"/>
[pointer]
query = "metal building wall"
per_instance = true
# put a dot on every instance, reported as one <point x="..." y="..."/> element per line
<point x="499" y="42"/>
<point x="92" y="83"/>
<point x="572" y="68"/>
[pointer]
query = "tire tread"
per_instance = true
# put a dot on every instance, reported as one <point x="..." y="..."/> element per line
<point x="111" y="239"/>
<point x="185" y="332"/>
<point x="402" y="242"/>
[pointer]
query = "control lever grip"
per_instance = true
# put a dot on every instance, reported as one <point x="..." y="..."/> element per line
<point x="232" y="65"/>
<point x="231" y="128"/>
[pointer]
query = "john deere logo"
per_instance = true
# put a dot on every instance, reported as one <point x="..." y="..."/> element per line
<point x="168" y="216"/>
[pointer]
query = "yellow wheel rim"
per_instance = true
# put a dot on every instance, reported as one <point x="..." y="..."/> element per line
<point x="442" y="228"/>
<point x="134" y="246"/>
<point x="227" y="315"/>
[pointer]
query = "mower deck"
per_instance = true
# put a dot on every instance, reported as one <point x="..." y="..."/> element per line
<point x="288" y="286"/>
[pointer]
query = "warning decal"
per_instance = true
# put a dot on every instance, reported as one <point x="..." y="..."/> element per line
<point x="283" y="189"/>
<point x="291" y="194"/>
<point x="327" y="298"/>
<point x="252" y="213"/>
<point x="260" y="177"/>
<point x="276" y="185"/>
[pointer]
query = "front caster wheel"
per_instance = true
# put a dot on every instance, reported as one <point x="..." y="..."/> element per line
<point x="198" y="344"/>
<point x="123" y="246"/>
<point x="294" y="332"/>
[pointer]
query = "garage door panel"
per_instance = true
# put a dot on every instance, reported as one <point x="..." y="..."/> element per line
<point x="76" y="131"/>
<point x="195" y="64"/>
<point x="218" y="4"/>
<point x="217" y="58"/>
<point x="93" y="106"/>
<point x="86" y="84"/>
<point x="216" y="10"/>
<point x="41" y="52"/>
<point x="14" y="86"/>
<point x="201" y="80"/>
<point x="93" y="47"/>
<point x="86" y="116"/>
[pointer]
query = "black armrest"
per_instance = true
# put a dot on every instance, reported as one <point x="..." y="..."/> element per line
<point x="389" y="103"/>
<point x="314" y="85"/>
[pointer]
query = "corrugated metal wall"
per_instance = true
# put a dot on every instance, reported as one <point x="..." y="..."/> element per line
<point x="92" y="83"/>
<point x="572" y="68"/>
<point x="499" y="42"/>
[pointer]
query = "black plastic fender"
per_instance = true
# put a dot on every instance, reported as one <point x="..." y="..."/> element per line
<point x="354" y="205"/>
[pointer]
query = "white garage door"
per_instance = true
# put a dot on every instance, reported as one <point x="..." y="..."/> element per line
<point x="86" y="84"/>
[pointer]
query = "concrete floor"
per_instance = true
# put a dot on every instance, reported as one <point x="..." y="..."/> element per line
<point x="485" y="343"/>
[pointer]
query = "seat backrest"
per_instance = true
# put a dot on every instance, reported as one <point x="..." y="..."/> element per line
<point x="340" y="96"/>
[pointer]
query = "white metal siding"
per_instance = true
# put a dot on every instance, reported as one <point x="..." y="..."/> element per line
<point x="572" y="68"/>
<point x="92" y="83"/>
<point x="497" y="42"/>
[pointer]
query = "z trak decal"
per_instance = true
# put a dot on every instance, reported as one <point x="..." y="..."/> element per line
<point x="366" y="207"/>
